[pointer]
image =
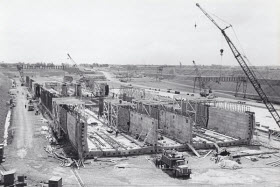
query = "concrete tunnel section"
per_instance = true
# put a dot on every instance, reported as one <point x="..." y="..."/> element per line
<point x="116" y="127"/>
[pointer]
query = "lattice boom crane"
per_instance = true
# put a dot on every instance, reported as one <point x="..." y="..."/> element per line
<point x="249" y="73"/>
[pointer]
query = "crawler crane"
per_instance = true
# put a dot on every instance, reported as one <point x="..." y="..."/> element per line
<point x="249" y="73"/>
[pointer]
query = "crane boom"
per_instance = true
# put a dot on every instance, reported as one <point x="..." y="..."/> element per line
<point x="249" y="73"/>
<point x="75" y="64"/>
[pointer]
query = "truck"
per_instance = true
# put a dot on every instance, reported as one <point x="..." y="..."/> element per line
<point x="176" y="164"/>
<point x="30" y="107"/>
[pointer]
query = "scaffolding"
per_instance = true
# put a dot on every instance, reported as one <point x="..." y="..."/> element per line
<point x="110" y="113"/>
<point x="231" y="106"/>
<point x="132" y="92"/>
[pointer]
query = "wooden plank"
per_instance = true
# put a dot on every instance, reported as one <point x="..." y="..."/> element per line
<point x="193" y="150"/>
<point x="207" y="153"/>
<point x="252" y="154"/>
<point x="131" y="139"/>
<point x="218" y="148"/>
<point x="115" y="141"/>
<point x="211" y="139"/>
<point x="97" y="146"/>
<point x="219" y="134"/>
<point x="272" y="162"/>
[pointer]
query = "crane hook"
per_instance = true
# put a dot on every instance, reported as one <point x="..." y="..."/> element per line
<point x="221" y="50"/>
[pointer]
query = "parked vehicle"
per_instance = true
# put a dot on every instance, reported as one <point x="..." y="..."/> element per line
<point x="30" y="107"/>
<point x="176" y="163"/>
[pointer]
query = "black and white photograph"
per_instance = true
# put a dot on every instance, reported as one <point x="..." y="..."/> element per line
<point x="139" y="93"/>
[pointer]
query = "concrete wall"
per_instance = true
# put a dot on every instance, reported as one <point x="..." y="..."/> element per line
<point x="176" y="126"/>
<point x="143" y="125"/>
<point x="77" y="133"/>
<point x="78" y="90"/>
<point x="46" y="99"/>
<point x="64" y="90"/>
<point x="236" y="124"/>
<point x="63" y="119"/>
<point x="123" y="119"/>
<point x="71" y="129"/>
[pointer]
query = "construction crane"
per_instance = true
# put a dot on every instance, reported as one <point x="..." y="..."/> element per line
<point x="204" y="92"/>
<point x="74" y="63"/>
<point x="77" y="71"/>
<point x="159" y="75"/>
<point x="20" y="69"/>
<point x="249" y="73"/>
<point x="197" y="78"/>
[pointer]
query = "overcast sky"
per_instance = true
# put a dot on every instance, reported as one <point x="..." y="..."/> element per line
<point x="137" y="31"/>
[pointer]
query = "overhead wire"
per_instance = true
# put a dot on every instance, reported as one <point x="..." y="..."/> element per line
<point x="221" y="56"/>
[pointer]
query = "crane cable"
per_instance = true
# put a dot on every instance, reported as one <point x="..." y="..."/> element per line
<point x="252" y="66"/>
<point x="221" y="50"/>
<point x="245" y="57"/>
<point x="221" y="53"/>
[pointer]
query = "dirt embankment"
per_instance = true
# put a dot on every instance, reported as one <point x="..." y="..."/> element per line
<point x="5" y="84"/>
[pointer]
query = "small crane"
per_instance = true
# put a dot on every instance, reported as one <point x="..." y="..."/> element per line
<point x="249" y="73"/>
<point x="201" y="83"/>
<point x="74" y="63"/>
<point x="197" y="78"/>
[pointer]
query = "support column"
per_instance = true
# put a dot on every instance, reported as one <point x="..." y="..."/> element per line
<point x="64" y="90"/>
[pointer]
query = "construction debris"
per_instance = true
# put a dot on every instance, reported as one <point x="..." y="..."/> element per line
<point x="207" y="153"/>
<point x="193" y="150"/>
<point x="65" y="161"/>
<point x="229" y="164"/>
<point x="44" y="128"/>
<point x="264" y="156"/>
<point x="252" y="158"/>
<point x="274" y="163"/>
<point x="43" y="120"/>
<point x="252" y="153"/>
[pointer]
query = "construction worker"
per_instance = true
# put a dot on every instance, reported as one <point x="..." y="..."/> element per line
<point x="160" y="163"/>
<point x="157" y="162"/>
<point x="269" y="133"/>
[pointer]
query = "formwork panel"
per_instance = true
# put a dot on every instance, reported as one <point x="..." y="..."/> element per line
<point x="143" y="126"/>
<point x="123" y="119"/>
<point x="177" y="126"/>
<point x="235" y="124"/>
<point x="63" y="119"/>
<point x="71" y="129"/>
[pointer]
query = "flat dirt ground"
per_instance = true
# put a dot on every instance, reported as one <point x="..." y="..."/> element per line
<point x="26" y="154"/>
